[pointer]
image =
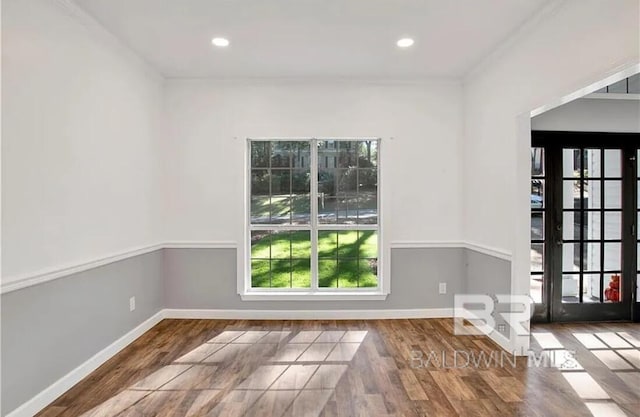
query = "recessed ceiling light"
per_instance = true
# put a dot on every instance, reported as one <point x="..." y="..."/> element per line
<point x="220" y="42"/>
<point x="405" y="42"/>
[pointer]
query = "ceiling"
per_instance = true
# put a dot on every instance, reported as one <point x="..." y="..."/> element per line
<point x="312" y="38"/>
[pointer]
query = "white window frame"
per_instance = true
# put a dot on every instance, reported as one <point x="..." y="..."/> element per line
<point x="248" y="293"/>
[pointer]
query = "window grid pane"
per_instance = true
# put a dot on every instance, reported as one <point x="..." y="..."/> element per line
<point x="280" y="205"/>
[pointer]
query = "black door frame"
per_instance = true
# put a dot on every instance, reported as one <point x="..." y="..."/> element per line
<point x="552" y="308"/>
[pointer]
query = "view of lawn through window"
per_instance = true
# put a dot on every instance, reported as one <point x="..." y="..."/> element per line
<point x="314" y="214"/>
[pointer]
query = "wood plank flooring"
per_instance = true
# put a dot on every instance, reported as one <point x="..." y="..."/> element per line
<point x="372" y="368"/>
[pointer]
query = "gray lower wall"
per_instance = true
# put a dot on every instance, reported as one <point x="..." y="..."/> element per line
<point x="50" y="329"/>
<point x="206" y="279"/>
<point x="490" y="275"/>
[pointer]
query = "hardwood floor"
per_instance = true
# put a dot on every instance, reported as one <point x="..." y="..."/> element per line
<point x="360" y="368"/>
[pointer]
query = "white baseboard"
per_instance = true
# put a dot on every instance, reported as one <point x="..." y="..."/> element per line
<point x="49" y="394"/>
<point x="309" y="314"/>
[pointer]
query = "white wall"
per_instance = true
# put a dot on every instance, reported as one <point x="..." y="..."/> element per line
<point x="208" y="123"/>
<point x="591" y="115"/>
<point x="79" y="142"/>
<point x="571" y="45"/>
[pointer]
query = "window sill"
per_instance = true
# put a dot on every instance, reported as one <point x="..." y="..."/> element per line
<point x="313" y="296"/>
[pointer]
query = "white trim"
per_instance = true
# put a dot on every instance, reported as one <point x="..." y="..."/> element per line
<point x="613" y="96"/>
<point x="200" y="245"/>
<point x="487" y="250"/>
<point x="418" y="244"/>
<point x="16" y="282"/>
<point x="49" y="394"/>
<point x="424" y="313"/>
<point x="345" y="295"/>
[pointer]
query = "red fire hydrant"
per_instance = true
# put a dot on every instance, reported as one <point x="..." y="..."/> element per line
<point x="613" y="292"/>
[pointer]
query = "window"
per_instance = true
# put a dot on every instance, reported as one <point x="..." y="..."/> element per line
<point x="313" y="228"/>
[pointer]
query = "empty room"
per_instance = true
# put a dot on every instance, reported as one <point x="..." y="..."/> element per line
<point x="266" y="208"/>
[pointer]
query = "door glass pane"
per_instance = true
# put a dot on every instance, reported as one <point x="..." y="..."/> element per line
<point x="592" y="194"/>
<point x="537" y="194"/>
<point x="612" y="163"/>
<point x="592" y="163"/>
<point x="537" y="226"/>
<point x="570" y="257"/>
<point x="570" y="225"/>
<point x="591" y="257"/>
<point x="592" y="225"/>
<point x="612" y="256"/>
<point x="570" y="194"/>
<point x="570" y="290"/>
<point x="537" y="161"/>
<point x="591" y="288"/>
<point x="613" y="194"/>
<point x="571" y="163"/>
<point x="536" y="287"/>
<point x="537" y="257"/>
<point x="613" y="288"/>
<point x="612" y="225"/>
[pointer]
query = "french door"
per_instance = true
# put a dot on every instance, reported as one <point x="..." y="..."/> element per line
<point x="584" y="245"/>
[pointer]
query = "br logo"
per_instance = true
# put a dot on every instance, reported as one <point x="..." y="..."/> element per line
<point x="481" y="314"/>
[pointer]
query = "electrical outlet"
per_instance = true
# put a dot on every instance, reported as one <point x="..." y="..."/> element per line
<point x="132" y="303"/>
<point x="442" y="288"/>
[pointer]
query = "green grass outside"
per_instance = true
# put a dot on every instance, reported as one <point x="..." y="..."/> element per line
<point x="345" y="259"/>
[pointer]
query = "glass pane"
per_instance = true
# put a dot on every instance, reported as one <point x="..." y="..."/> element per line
<point x="367" y="198"/>
<point x="327" y="244"/>
<point x="612" y="225"/>
<point x="592" y="163"/>
<point x="591" y="288"/>
<point x="348" y="273"/>
<point x="259" y="154"/>
<point x="346" y="153"/>
<point x="281" y="245"/>
<point x="570" y="288"/>
<point x="280" y="273"/>
<point x="612" y="256"/>
<point x="612" y="288"/>
<point x="301" y="273"/>
<point x="570" y="257"/>
<point x="592" y="225"/>
<point x="260" y="244"/>
<point x="638" y="194"/>
<point x="591" y="260"/>
<point x="280" y="196"/>
<point x="571" y="163"/>
<point x="537" y="226"/>
<point x="570" y="194"/>
<point x="537" y="161"/>
<point x="368" y="244"/>
<point x="300" y="244"/>
<point x="280" y="154"/>
<point x="368" y="154"/>
<point x="612" y="163"/>
<point x="368" y="275"/>
<point x="570" y="225"/>
<point x="537" y="194"/>
<point x="327" y="202"/>
<point x="612" y="194"/>
<point x="260" y="273"/>
<point x="300" y="154"/>
<point x="537" y="257"/>
<point x="327" y="273"/>
<point x="301" y="197"/>
<point x="348" y="243"/>
<point x="536" y="288"/>
<point x="592" y="194"/>
<point x="260" y="201"/>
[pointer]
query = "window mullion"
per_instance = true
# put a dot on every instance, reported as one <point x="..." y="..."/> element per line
<point x="314" y="213"/>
